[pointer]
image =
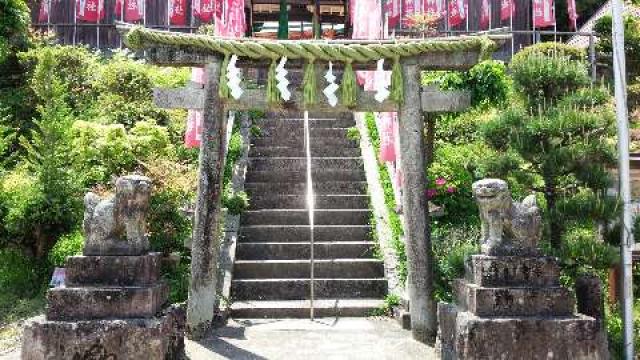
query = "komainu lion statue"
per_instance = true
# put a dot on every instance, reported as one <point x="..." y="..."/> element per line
<point x="117" y="225"/>
<point x="508" y="227"/>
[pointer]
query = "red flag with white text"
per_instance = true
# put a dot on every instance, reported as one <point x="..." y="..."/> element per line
<point x="178" y="12"/>
<point x="507" y="9"/>
<point x="392" y="9"/>
<point x="90" y="10"/>
<point x="203" y="9"/>
<point x="43" y="14"/>
<point x="457" y="12"/>
<point x="133" y="9"/>
<point x="573" y="14"/>
<point x="543" y="13"/>
<point x="485" y="14"/>
<point x="433" y="7"/>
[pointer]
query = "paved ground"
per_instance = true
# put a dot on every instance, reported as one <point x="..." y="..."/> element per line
<point x="327" y="338"/>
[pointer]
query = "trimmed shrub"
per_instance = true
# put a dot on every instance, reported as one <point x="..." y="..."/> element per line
<point x="73" y="67"/>
<point x="551" y="49"/>
<point x="543" y="79"/>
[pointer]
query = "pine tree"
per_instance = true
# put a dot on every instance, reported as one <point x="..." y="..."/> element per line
<point x="557" y="138"/>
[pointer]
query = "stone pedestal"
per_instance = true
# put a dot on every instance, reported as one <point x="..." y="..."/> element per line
<point x="112" y="307"/>
<point x="512" y="307"/>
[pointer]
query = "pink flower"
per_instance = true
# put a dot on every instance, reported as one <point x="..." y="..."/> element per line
<point x="431" y="193"/>
<point x="441" y="181"/>
<point x="451" y="189"/>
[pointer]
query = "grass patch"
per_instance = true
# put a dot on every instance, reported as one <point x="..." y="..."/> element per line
<point x="389" y="199"/>
<point x="386" y="309"/>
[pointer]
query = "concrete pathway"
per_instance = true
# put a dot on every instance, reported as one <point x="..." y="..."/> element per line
<point x="326" y="338"/>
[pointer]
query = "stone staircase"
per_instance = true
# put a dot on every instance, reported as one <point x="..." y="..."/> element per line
<point x="272" y="267"/>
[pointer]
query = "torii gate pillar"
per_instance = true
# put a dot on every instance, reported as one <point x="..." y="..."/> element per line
<point x="206" y="240"/>
<point x="417" y="230"/>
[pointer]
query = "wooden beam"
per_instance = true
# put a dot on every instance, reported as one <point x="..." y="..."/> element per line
<point x="432" y="100"/>
<point x="415" y="207"/>
<point x="208" y="213"/>
<point x="181" y="98"/>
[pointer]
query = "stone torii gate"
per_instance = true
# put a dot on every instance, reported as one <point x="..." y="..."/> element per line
<point x="408" y="98"/>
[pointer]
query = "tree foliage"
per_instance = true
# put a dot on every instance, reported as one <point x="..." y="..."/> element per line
<point x="557" y="137"/>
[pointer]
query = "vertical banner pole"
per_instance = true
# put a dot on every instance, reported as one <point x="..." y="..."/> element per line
<point x="311" y="207"/>
<point x="100" y="6"/>
<point x="490" y="14"/>
<point x="626" y="243"/>
<point x="122" y="6"/>
<point x="446" y="14"/>
<point x="513" y="43"/>
<point x="533" y="21"/>
<point x="75" y="20"/>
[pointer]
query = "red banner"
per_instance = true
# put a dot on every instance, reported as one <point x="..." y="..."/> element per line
<point x="485" y="14"/>
<point x="573" y="14"/>
<point x="433" y="7"/>
<point x="90" y="10"/>
<point x="203" y="9"/>
<point x="133" y="9"/>
<point x="457" y="12"/>
<point x="507" y="9"/>
<point x="543" y="13"/>
<point x="392" y="9"/>
<point x="229" y="18"/>
<point x="178" y="12"/>
<point x="43" y="14"/>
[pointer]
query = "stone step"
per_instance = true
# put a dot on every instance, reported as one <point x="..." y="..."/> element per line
<point x="513" y="301"/>
<point x="339" y="141"/>
<point x="298" y="133"/>
<point x="301" y="233"/>
<point x="298" y="289"/>
<point x="86" y="303"/>
<point x="320" y="188"/>
<point x="300" y="308"/>
<point x="300" y="202"/>
<point x="301" y="217"/>
<point x="496" y="271"/>
<point x="113" y="270"/>
<point x="299" y="151"/>
<point x="313" y="115"/>
<point x="300" y="163"/>
<point x="300" y="176"/>
<point x="344" y="122"/>
<point x="300" y="269"/>
<point x="302" y="250"/>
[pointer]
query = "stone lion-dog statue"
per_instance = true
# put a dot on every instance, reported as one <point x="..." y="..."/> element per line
<point x="117" y="225"/>
<point x="508" y="227"/>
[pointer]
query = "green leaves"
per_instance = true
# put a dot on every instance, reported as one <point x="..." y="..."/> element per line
<point x="543" y="79"/>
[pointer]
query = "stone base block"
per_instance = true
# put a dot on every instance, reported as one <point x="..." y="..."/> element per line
<point x="113" y="270"/>
<point x="513" y="301"/>
<point x="86" y="303"/>
<point x="496" y="271"/>
<point x="116" y="247"/>
<point x="157" y="338"/>
<point x="466" y="336"/>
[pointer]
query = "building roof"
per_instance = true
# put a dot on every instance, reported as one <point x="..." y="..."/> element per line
<point x="583" y="40"/>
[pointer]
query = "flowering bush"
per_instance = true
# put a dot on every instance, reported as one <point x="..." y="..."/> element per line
<point x="423" y="23"/>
